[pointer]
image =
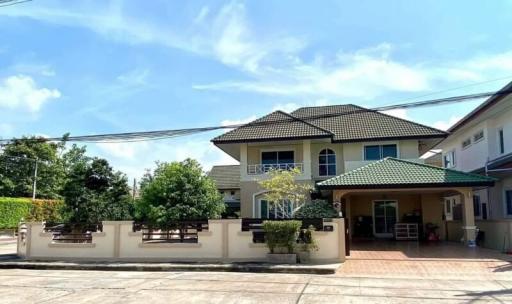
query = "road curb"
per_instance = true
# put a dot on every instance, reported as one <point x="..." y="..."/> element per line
<point x="171" y="267"/>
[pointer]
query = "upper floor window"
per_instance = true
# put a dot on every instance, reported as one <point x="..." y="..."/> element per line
<point x="449" y="159"/>
<point x="478" y="136"/>
<point x="327" y="162"/>
<point x="501" y="141"/>
<point x="376" y="152"/>
<point x="466" y="143"/>
<point x="277" y="157"/>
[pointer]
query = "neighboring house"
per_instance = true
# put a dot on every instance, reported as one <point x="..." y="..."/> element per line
<point x="330" y="141"/>
<point x="481" y="142"/>
<point x="227" y="180"/>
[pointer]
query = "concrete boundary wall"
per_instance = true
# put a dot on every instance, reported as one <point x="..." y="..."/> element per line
<point x="498" y="233"/>
<point x="223" y="242"/>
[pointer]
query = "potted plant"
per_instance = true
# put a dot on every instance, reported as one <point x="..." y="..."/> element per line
<point x="306" y="244"/>
<point x="281" y="238"/>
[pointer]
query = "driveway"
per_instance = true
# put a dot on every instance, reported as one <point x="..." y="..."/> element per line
<point x="437" y="275"/>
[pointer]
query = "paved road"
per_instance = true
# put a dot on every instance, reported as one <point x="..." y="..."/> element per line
<point x="381" y="279"/>
<point x="43" y="286"/>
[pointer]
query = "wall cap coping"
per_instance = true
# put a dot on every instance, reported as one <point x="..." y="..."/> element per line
<point x="117" y="222"/>
<point x="169" y="245"/>
<point x="257" y="245"/>
<point x="244" y="233"/>
<point x="98" y="234"/>
<point x="72" y="245"/>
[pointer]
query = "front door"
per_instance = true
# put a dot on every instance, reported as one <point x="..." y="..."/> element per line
<point x="385" y="215"/>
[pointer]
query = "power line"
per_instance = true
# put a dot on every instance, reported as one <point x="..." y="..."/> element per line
<point x="165" y="134"/>
<point x="12" y="2"/>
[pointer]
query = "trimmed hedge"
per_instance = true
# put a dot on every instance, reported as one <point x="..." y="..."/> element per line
<point x="13" y="210"/>
<point x="281" y="235"/>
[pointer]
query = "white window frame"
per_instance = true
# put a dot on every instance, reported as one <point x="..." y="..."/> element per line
<point x="478" y="133"/>
<point x="268" y="208"/>
<point x="397" y="213"/>
<point x="464" y="141"/>
<point x="453" y="161"/>
<point x="501" y="140"/>
<point x="380" y="144"/>
<point x="448" y="201"/>
<point x="327" y="163"/>
<point x="279" y="150"/>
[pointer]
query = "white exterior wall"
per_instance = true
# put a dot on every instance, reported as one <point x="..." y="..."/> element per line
<point x="477" y="154"/>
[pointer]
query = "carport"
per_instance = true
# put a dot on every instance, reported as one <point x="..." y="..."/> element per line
<point x="391" y="193"/>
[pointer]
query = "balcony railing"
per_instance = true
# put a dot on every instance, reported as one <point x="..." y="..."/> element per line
<point x="264" y="168"/>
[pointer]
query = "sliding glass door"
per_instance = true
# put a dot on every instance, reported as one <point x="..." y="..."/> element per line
<point x="385" y="215"/>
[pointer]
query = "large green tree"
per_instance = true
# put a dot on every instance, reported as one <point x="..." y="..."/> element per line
<point x="17" y="165"/>
<point x="178" y="191"/>
<point x="93" y="192"/>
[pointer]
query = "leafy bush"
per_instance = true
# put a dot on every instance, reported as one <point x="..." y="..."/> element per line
<point x="13" y="210"/>
<point x="46" y="210"/>
<point x="281" y="235"/>
<point x="316" y="209"/>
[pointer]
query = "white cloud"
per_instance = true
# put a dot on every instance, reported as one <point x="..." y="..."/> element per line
<point x="21" y="91"/>
<point x="203" y="13"/>
<point x="400" y="113"/>
<point x="229" y="122"/>
<point x="134" y="158"/>
<point x="446" y="124"/>
<point x="135" y="77"/>
<point x="124" y="150"/>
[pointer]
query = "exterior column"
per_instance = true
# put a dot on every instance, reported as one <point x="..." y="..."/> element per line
<point x="306" y="158"/>
<point x="243" y="162"/>
<point x="468" y="216"/>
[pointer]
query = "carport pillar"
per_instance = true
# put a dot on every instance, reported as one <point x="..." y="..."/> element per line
<point x="468" y="216"/>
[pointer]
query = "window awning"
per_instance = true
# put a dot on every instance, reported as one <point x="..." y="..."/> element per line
<point x="391" y="173"/>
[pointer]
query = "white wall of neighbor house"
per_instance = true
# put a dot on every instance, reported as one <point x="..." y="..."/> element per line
<point x="477" y="153"/>
<point x="224" y="241"/>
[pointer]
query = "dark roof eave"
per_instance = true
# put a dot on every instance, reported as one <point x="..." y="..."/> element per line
<point x="408" y="186"/>
<point x="390" y="138"/>
<point x="239" y="141"/>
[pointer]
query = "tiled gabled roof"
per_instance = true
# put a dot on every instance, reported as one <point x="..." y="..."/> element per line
<point x="226" y="177"/>
<point x="277" y="125"/>
<point x="341" y="123"/>
<point x="353" y="123"/>
<point x="398" y="173"/>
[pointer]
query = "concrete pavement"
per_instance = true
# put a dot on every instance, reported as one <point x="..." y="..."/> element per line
<point x="50" y="286"/>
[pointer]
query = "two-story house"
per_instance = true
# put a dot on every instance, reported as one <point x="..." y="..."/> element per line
<point x="481" y="142"/>
<point x="329" y="142"/>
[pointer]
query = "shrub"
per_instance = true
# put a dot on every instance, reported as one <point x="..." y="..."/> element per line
<point x="13" y="210"/>
<point x="46" y="210"/>
<point x="281" y="235"/>
<point x="316" y="209"/>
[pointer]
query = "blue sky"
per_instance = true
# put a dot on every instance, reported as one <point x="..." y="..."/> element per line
<point x="88" y="67"/>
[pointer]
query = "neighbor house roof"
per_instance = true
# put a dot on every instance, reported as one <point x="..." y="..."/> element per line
<point x="340" y="123"/>
<point x="226" y="177"/>
<point x="491" y="101"/>
<point x="398" y="173"/>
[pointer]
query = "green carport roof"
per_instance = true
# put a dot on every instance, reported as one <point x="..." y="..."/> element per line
<point x="397" y="173"/>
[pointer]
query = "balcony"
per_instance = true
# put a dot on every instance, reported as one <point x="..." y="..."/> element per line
<point x="258" y="169"/>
